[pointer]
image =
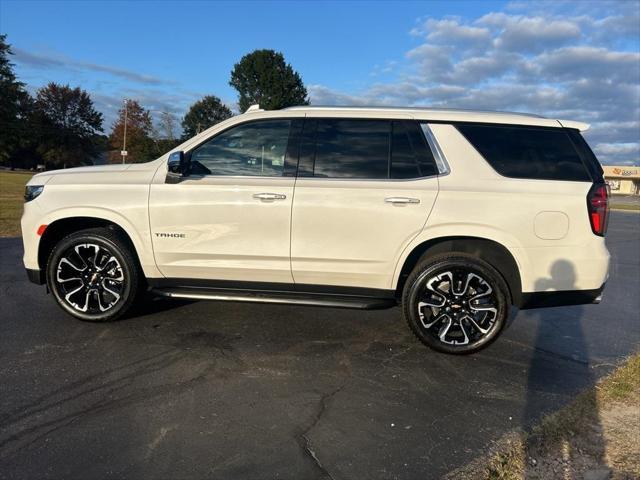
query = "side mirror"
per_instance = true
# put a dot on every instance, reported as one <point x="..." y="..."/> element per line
<point x="178" y="167"/>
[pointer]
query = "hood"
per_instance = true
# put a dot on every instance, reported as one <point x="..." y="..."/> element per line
<point x="96" y="174"/>
<point x="90" y="169"/>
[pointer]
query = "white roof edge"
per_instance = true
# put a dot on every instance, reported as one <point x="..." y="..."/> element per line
<point x="577" y="125"/>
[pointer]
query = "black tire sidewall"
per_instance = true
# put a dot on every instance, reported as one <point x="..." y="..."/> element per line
<point x="425" y="270"/>
<point x="118" y="249"/>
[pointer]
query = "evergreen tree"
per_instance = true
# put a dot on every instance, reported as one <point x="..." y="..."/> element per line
<point x="263" y="77"/>
<point x="204" y="114"/>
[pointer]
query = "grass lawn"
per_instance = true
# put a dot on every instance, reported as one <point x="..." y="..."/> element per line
<point x="11" y="201"/>
<point x="595" y="436"/>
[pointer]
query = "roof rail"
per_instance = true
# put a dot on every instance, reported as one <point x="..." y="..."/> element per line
<point x="254" y="108"/>
<point x="423" y="109"/>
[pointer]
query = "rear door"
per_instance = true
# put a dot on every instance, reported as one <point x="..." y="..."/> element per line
<point x="364" y="190"/>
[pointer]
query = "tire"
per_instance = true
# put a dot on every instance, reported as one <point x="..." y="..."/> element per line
<point x="94" y="274"/>
<point x="461" y="320"/>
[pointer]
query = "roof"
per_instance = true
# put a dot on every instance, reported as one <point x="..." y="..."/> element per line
<point x="441" y="114"/>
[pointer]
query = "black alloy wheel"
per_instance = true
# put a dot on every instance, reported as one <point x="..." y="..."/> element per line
<point x="93" y="274"/>
<point x="455" y="303"/>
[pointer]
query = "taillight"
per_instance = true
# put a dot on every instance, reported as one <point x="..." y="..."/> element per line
<point x="598" y="208"/>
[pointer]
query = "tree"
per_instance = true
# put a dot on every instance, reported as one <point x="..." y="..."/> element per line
<point x="204" y="114"/>
<point x="15" y="105"/>
<point x="67" y="125"/>
<point x="167" y="126"/>
<point x="140" y="143"/>
<point x="264" y="77"/>
<point x="166" y="135"/>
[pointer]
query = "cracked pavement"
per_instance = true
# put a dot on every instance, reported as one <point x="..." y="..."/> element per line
<point x="228" y="390"/>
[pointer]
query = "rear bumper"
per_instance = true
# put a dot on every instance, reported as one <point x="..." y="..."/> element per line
<point x="35" y="276"/>
<point x="560" y="298"/>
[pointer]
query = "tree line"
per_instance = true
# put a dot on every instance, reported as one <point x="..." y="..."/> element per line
<point x="60" y="127"/>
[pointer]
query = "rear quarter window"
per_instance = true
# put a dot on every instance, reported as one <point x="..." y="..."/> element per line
<point x="528" y="152"/>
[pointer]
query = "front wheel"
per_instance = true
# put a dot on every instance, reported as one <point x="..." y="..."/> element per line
<point x="93" y="275"/>
<point x="455" y="303"/>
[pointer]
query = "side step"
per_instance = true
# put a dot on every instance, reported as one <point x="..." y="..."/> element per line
<point x="290" y="298"/>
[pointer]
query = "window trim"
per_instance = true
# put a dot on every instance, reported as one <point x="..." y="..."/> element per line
<point x="441" y="161"/>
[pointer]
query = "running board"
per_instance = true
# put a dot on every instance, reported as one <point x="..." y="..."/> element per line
<point x="287" y="298"/>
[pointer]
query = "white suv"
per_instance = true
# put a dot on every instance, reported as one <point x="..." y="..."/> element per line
<point x="454" y="215"/>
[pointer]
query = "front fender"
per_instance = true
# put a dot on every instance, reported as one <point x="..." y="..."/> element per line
<point x="140" y="236"/>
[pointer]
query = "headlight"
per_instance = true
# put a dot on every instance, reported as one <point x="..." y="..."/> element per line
<point x="32" y="191"/>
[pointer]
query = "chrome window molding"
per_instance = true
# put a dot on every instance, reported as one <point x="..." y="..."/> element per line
<point x="353" y="179"/>
<point x="247" y="177"/>
<point x="239" y="177"/>
<point x="441" y="161"/>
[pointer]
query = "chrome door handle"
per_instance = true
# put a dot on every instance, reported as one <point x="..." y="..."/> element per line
<point x="269" y="196"/>
<point x="401" y="200"/>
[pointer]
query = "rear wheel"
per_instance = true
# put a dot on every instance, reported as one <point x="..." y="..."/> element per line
<point x="455" y="303"/>
<point x="93" y="275"/>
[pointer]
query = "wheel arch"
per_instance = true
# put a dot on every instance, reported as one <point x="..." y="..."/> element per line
<point x="488" y="250"/>
<point x="62" y="227"/>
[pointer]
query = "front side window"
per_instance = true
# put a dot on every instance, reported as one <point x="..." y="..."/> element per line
<point x="250" y="149"/>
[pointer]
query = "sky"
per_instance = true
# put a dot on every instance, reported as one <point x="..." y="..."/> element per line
<point x="561" y="59"/>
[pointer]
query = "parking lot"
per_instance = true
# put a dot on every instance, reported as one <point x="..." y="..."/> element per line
<point x="229" y="390"/>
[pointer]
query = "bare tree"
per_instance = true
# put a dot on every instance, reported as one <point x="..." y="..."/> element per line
<point x="168" y="125"/>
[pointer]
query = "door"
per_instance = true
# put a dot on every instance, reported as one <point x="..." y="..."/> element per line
<point x="231" y="218"/>
<point x="364" y="190"/>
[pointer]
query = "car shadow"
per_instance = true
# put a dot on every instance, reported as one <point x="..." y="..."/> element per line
<point x="150" y="304"/>
<point x="560" y="338"/>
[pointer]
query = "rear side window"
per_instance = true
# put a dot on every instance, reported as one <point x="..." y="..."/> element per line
<point x="589" y="158"/>
<point x="528" y="152"/>
<point x="352" y="149"/>
<point x="410" y="154"/>
<point x="364" y="149"/>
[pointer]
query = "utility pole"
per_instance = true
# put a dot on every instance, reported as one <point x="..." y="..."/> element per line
<point x="124" y="142"/>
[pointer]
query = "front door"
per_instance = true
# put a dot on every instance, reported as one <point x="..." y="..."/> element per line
<point x="231" y="218"/>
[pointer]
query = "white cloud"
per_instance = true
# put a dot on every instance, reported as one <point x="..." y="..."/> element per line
<point x="451" y="30"/>
<point x="560" y="61"/>
<point x="629" y="149"/>
<point x="529" y="34"/>
<point x="59" y="61"/>
<point x="583" y="62"/>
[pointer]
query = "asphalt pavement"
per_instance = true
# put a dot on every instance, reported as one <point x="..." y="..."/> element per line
<point x="248" y="391"/>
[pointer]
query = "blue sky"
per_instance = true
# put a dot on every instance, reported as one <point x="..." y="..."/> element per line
<point x="576" y="60"/>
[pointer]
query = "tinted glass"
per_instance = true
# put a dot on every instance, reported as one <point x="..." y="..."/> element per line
<point x="589" y="158"/>
<point x="403" y="161"/>
<point x="525" y="152"/>
<point x="410" y="154"/>
<point x="352" y="149"/>
<point x="251" y="149"/>
<point x="307" y="151"/>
